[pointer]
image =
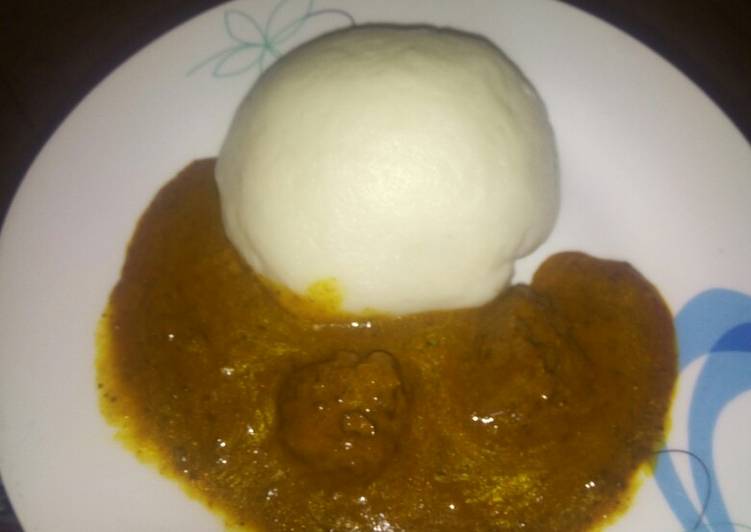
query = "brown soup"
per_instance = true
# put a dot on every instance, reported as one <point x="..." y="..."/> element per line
<point x="532" y="412"/>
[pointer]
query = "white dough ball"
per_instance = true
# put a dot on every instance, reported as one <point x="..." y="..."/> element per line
<point x="413" y="166"/>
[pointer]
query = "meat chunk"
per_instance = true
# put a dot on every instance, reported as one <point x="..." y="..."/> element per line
<point x="527" y="370"/>
<point x="344" y="416"/>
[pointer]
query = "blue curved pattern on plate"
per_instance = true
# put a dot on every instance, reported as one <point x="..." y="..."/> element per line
<point x="716" y="323"/>
<point x="254" y="44"/>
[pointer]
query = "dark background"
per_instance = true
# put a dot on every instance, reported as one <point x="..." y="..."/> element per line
<point x="52" y="52"/>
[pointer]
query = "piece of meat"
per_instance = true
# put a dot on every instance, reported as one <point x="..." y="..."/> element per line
<point x="344" y="416"/>
<point x="526" y="369"/>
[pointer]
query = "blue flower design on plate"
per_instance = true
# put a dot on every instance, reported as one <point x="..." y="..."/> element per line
<point x="716" y="323"/>
<point x="254" y="45"/>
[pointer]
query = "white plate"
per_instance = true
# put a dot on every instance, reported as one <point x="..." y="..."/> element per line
<point x="653" y="172"/>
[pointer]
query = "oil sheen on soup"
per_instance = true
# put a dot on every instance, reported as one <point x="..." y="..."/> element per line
<point x="532" y="412"/>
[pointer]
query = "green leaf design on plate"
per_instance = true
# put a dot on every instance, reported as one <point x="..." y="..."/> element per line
<point x="254" y="45"/>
